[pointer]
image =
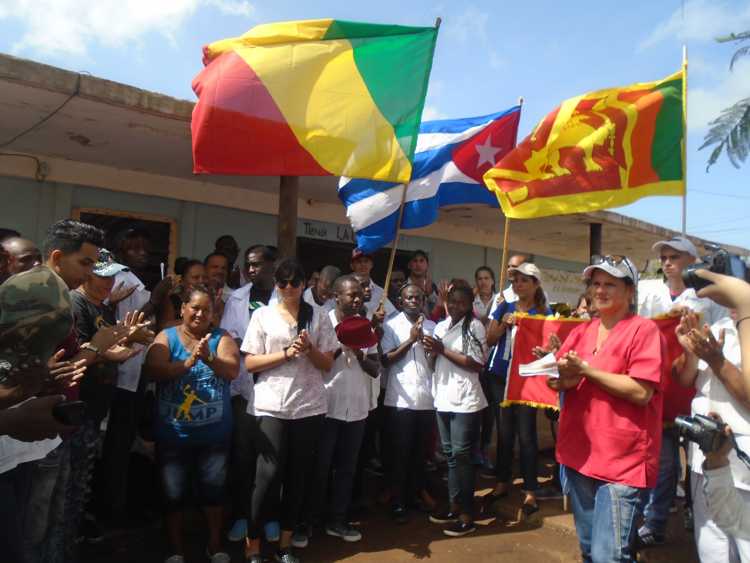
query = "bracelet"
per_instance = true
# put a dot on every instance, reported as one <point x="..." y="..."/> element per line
<point x="286" y="357"/>
<point x="737" y="324"/>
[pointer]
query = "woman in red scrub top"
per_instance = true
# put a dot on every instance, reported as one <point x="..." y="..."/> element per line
<point x="610" y="425"/>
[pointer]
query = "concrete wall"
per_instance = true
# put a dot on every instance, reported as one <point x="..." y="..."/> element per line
<point x="30" y="207"/>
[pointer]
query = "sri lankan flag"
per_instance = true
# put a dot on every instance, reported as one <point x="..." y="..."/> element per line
<point x="599" y="150"/>
<point x="313" y="98"/>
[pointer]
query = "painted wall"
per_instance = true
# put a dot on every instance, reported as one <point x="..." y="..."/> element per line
<point x="30" y="207"/>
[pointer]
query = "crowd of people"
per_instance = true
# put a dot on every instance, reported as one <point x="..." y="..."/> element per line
<point x="263" y="395"/>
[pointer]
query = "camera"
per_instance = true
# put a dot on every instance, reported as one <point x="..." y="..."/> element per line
<point x="720" y="262"/>
<point x="707" y="432"/>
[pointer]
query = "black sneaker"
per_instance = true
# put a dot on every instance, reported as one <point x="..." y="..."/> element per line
<point x="459" y="528"/>
<point x="344" y="531"/>
<point x="399" y="515"/>
<point x="446" y="517"/>
<point x="89" y="531"/>
<point x="286" y="556"/>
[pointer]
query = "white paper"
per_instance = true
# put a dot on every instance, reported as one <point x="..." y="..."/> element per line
<point x="543" y="366"/>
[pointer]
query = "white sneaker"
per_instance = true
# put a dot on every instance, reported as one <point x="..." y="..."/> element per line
<point x="219" y="557"/>
<point x="175" y="559"/>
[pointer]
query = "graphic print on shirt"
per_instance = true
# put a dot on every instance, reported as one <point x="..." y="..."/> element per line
<point x="198" y="406"/>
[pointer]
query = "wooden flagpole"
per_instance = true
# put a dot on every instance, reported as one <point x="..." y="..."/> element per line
<point x="684" y="138"/>
<point x="503" y="271"/>
<point x="392" y="257"/>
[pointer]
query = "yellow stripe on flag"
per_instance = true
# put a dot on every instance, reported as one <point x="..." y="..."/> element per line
<point x="337" y="103"/>
<point x="272" y="34"/>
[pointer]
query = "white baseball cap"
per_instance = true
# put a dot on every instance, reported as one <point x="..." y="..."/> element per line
<point x="678" y="243"/>
<point x="527" y="269"/>
<point x="615" y="266"/>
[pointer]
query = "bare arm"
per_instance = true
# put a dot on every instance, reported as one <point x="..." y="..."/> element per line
<point x="158" y="365"/>
<point x="495" y="331"/>
<point x="226" y="362"/>
<point x="436" y="347"/>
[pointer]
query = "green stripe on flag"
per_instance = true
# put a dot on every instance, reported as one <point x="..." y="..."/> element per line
<point x="342" y="29"/>
<point x="666" y="148"/>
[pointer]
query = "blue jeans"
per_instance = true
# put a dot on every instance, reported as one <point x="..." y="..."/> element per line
<point x="178" y="461"/>
<point x="459" y="433"/>
<point x="659" y="499"/>
<point x="605" y="515"/>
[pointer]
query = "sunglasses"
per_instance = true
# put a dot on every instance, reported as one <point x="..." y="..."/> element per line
<point x="616" y="260"/>
<point x="283" y="283"/>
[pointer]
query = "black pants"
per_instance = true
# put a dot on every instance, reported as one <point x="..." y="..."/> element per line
<point x="286" y="453"/>
<point x="493" y="390"/>
<point x="15" y="486"/>
<point x="372" y="440"/>
<point x="242" y="458"/>
<point x="336" y="464"/>
<point x="518" y="420"/>
<point x="409" y="433"/>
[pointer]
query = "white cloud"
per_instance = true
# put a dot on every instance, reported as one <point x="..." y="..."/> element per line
<point x="73" y="27"/>
<point x="431" y="113"/>
<point x="706" y="102"/>
<point x="704" y="20"/>
<point x="470" y="24"/>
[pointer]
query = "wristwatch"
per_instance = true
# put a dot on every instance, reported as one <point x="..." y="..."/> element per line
<point x="91" y="347"/>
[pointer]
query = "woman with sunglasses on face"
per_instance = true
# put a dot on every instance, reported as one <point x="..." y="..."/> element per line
<point x="289" y="346"/>
<point x="516" y="420"/>
<point x="609" y="437"/>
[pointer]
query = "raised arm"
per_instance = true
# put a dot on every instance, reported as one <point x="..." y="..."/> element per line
<point x="158" y="364"/>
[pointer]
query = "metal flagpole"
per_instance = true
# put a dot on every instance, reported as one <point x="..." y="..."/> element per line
<point x="392" y="257"/>
<point x="503" y="271"/>
<point x="684" y="138"/>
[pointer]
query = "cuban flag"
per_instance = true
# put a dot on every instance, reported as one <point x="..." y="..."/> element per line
<point x="451" y="157"/>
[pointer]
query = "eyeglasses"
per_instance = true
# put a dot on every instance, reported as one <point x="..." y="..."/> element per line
<point x="283" y="283"/>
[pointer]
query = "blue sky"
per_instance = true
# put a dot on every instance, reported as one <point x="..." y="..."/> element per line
<point x="489" y="53"/>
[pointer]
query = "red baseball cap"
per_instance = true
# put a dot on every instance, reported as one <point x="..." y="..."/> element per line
<point x="356" y="332"/>
<point x="359" y="253"/>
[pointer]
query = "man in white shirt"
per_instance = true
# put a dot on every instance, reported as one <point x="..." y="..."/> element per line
<point x="348" y="396"/>
<point x="656" y="297"/>
<point x="408" y="400"/>
<point x="419" y="275"/>
<point x="239" y="308"/>
<point x="711" y="363"/>
<point x="320" y="295"/>
<point x="362" y="265"/>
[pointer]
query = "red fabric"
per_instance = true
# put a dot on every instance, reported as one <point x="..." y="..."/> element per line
<point x="677" y="398"/>
<point x="237" y="127"/>
<point x="534" y="331"/>
<point x="603" y="436"/>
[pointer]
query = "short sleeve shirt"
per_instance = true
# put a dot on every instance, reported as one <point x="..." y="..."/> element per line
<point x="454" y="388"/>
<point x="294" y="389"/>
<point x="410" y="378"/>
<point x="603" y="436"/>
<point x="348" y="386"/>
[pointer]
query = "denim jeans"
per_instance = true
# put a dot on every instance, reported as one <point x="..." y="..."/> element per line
<point x="45" y="515"/>
<point x="336" y="464"/>
<point x="605" y="515"/>
<point x="177" y="462"/>
<point x="459" y="433"/>
<point x="409" y="432"/>
<point x="659" y="499"/>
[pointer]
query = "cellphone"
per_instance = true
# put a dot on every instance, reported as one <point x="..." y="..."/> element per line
<point x="70" y="413"/>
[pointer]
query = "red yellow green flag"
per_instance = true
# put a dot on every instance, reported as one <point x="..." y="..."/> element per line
<point x="313" y="98"/>
<point x="599" y="150"/>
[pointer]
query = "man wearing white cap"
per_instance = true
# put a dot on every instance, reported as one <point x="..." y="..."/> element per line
<point x="656" y="297"/>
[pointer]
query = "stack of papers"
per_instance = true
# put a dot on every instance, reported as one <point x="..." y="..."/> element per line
<point x="543" y="366"/>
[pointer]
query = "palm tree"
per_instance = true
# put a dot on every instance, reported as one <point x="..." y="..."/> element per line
<point x="731" y="130"/>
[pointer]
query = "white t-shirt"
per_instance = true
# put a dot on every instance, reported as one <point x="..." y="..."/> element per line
<point x="410" y="378"/>
<point x="327" y="306"/>
<point x="348" y="386"/>
<point x="482" y="309"/>
<point x="712" y="396"/>
<point x="374" y="302"/>
<point x="235" y="320"/>
<point x="294" y="389"/>
<point x="508" y="295"/>
<point x="654" y="299"/>
<point x="456" y="389"/>
<point x="129" y="372"/>
<point x="15" y="452"/>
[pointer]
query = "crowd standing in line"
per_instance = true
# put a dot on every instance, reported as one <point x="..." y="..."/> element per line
<point x="267" y="395"/>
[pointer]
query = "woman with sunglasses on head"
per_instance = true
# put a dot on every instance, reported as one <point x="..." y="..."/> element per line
<point x="516" y="420"/>
<point x="289" y="346"/>
<point x="610" y="425"/>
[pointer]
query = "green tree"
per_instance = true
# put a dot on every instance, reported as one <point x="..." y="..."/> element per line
<point x="730" y="131"/>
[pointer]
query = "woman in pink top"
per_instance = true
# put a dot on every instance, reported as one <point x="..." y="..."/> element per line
<point x="610" y="425"/>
